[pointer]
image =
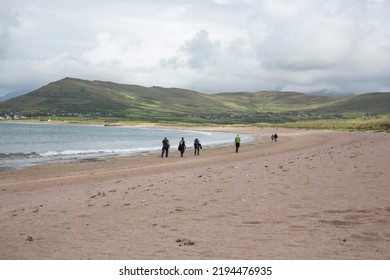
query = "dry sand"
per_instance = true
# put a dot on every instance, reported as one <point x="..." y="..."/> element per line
<point x="311" y="195"/>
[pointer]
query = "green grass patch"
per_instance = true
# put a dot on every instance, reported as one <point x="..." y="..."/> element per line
<point x="378" y="123"/>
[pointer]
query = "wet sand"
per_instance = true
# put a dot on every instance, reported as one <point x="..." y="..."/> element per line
<point x="311" y="195"/>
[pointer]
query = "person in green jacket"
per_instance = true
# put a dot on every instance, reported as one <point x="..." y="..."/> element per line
<point x="237" y="140"/>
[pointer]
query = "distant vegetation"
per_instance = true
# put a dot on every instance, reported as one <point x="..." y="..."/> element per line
<point x="74" y="99"/>
<point x="378" y="123"/>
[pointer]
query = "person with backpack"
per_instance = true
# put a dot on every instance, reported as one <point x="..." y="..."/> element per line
<point x="197" y="146"/>
<point x="165" y="147"/>
<point x="182" y="146"/>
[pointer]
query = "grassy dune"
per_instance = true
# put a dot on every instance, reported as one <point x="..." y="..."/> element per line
<point x="378" y="123"/>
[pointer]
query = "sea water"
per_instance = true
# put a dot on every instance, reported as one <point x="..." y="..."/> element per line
<point x="25" y="144"/>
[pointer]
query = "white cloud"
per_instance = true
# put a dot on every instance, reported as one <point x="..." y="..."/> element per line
<point x="206" y="45"/>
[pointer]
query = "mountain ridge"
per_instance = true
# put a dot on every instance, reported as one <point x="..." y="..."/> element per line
<point x="105" y="98"/>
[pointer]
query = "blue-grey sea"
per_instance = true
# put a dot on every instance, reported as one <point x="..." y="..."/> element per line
<point x="26" y="144"/>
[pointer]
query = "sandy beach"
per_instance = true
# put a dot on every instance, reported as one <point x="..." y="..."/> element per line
<point x="311" y="195"/>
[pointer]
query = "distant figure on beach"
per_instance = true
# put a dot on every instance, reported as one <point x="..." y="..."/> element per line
<point x="275" y="137"/>
<point x="165" y="147"/>
<point x="272" y="138"/>
<point x="197" y="147"/>
<point x="237" y="140"/>
<point x="182" y="146"/>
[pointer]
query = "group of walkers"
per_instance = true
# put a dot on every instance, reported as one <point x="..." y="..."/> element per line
<point x="198" y="146"/>
<point x="181" y="148"/>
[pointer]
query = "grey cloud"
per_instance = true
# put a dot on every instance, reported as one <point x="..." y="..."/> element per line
<point x="195" y="53"/>
<point x="8" y="21"/>
<point x="200" y="50"/>
<point x="338" y="45"/>
<point x="207" y="45"/>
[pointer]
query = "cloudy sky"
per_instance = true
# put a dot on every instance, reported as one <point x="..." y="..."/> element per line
<point x="334" y="46"/>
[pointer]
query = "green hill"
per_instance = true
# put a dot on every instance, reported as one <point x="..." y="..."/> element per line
<point x="77" y="97"/>
<point x="273" y="101"/>
<point x="376" y="103"/>
<point x="74" y="96"/>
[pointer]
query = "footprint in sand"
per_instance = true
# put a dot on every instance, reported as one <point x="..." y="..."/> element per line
<point x="83" y="216"/>
<point x="101" y="194"/>
<point x="185" y="242"/>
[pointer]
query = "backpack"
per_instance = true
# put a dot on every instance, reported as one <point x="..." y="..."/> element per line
<point x="181" y="146"/>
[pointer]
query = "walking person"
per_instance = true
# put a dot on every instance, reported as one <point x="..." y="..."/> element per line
<point x="165" y="147"/>
<point x="197" y="146"/>
<point x="276" y="137"/>
<point x="182" y="146"/>
<point x="237" y="140"/>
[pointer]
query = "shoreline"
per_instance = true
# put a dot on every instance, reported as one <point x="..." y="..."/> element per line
<point x="151" y="160"/>
<point x="20" y="160"/>
<point x="311" y="195"/>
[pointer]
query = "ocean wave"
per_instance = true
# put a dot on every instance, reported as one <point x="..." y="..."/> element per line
<point x="19" y="155"/>
<point x="201" y="132"/>
<point x="98" y="152"/>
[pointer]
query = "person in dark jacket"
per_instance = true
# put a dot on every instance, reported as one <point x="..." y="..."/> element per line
<point x="197" y="146"/>
<point x="182" y="146"/>
<point x="165" y="147"/>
